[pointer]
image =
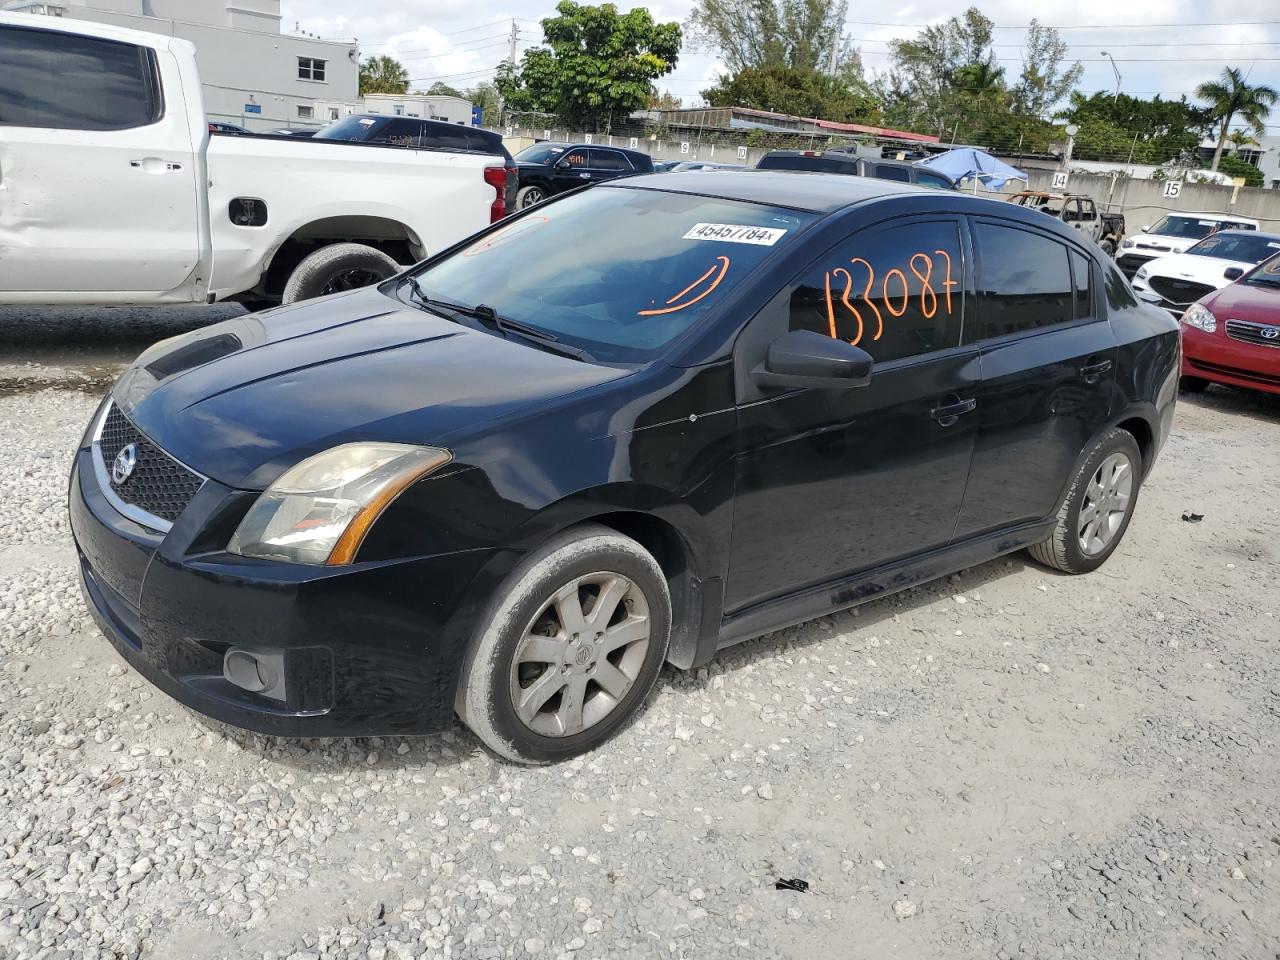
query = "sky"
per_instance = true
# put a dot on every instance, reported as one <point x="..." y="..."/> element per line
<point x="1160" y="46"/>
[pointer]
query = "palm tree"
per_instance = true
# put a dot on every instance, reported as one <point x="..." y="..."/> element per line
<point x="383" y="75"/>
<point x="1231" y="96"/>
<point x="1239" y="139"/>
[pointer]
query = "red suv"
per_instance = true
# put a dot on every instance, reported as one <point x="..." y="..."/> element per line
<point x="1232" y="336"/>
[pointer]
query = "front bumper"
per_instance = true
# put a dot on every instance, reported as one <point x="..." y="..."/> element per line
<point x="368" y="649"/>
<point x="1218" y="358"/>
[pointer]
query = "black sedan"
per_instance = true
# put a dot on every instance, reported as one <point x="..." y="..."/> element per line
<point x="513" y="482"/>
<point x="548" y="168"/>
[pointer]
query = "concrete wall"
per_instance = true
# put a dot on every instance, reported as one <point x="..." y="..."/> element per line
<point x="243" y="59"/>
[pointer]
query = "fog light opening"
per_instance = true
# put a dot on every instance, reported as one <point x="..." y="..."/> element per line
<point x="255" y="672"/>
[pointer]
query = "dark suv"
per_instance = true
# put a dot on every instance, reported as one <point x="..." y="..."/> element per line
<point x="836" y="161"/>
<point x="547" y="168"/>
<point x="415" y="132"/>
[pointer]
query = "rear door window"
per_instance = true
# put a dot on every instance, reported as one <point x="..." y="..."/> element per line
<point x="895" y="291"/>
<point x="577" y="159"/>
<point x="886" y="171"/>
<point x="1024" y="280"/>
<point x="609" y="160"/>
<point x="61" y="81"/>
<point x="398" y="133"/>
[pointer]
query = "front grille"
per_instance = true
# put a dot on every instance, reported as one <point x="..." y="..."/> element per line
<point x="1153" y="246"/>
<point x="1179" y="292"/>
<point x="1130" y="262"/>
<point x="159" y="485"/>
<point x="1248" y="332"/>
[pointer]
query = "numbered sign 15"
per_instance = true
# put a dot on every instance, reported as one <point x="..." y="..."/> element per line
<point x="1172" y="188"/>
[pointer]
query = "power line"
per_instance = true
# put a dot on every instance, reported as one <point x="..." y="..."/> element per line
<point x="1085" y="26"/>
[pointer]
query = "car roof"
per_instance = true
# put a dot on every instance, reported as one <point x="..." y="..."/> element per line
<point x="800" y="190"/>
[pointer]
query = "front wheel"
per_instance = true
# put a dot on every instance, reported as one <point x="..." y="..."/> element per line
<point x="335" y="268"/>
<point x="569" y="649"/>
<point x="1097" y="508"/>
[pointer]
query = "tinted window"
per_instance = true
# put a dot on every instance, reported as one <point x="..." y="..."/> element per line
<point x="1119" y="293"/>
<point x="483" y="143"/>
<point x="540" y="153"/>
<point x="800" y="162"/>
<point x="576" y="158"/>
<point x="1083" y="275"/>
<point x="886" y="172"/>
<point x="398" y="133"/>
<point x="1025" y="280"/>
<point x="628" y="292"/>
<point x="1185" y="228"/>
<point x="352" y="128"/>
<point x="609" y="160"/>
<point x="894" y="291"/>
<point x="927" y="179"/>
<point x="64" y="82"/>
<point x="451" y="138"/>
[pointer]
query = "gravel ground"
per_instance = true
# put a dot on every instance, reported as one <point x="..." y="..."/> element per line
<point x="1011" y="763"/>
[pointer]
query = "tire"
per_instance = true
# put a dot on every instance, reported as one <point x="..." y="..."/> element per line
<point x="1193" y="384"/>
<point x="522" y="619"/>
<point x="337" y="267"/>
<point x="1064" y="550"/>
<point x="528" y="196"/>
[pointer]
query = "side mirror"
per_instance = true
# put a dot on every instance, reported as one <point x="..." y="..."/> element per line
<point x="1233" y="273"/>
<point x="1144" y="228"/>
<point x="562" y="164"/>
<point x="803" y="358"/>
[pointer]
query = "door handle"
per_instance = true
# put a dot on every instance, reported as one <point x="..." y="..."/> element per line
<point x="949" y="413"/>
<point x="1092" y="372"/>
<point x="155" y="165"/>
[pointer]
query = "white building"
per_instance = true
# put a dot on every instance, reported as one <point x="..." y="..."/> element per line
<point x="1269" y="163"/>
<point x="451" y="109"/>
<point x="253" y="74"/>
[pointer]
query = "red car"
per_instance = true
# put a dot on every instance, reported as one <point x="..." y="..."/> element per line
<point x="1232" y="336"/>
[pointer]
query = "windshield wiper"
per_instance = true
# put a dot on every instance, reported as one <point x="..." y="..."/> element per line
<point x="505" y="325"/>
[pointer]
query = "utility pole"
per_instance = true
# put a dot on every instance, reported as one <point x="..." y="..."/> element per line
<point x="834" y="53"/>
<point x="515" y="41"/>
<point x="1116" y="71"/>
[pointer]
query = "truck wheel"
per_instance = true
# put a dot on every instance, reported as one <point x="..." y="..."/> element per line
<point x="337" y="267"/>
<point x="528" y="196"/>
<point x="569" y="648"/>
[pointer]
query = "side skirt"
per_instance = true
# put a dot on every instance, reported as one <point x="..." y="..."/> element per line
<point x="770" y="615"/>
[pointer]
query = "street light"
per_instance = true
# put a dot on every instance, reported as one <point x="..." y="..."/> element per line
<point x="1115" y="70"/>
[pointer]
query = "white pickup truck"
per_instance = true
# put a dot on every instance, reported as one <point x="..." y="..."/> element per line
<point x="113" y="191"/>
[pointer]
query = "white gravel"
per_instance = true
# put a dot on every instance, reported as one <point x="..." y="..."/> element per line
<point x="1056" y="767"/>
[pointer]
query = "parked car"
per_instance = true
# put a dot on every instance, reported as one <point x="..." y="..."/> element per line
<point x="664" y="166"/>
<point x="686" y="165"/>
<point x="548" y="168"/>
<point x="218" y="126"/>
<point x="293" y="132"/>
<point x="836" y="161"/>
<point x="422" y="134"/>
<point x="173" y="214"/>
<point x="1177" y="281"/>
<point x="516" y="480"/>
<point x="1081" y="213"/>
<point x="1174" y="233"/>
<point x="1232" y="336"/>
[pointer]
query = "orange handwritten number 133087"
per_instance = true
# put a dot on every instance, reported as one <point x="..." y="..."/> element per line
<point x="896" y="300"/>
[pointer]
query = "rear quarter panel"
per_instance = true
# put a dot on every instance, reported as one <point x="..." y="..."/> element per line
<point x="1147" y="369"/>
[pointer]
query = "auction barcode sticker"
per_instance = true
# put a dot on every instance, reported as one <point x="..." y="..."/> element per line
<point x="735" y="233"/>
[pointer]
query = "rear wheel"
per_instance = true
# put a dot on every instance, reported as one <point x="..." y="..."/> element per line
<point x="569" y="649"/>
<point x="528" y="196"/>
<point x="335" y="268"/>
<point x="1097" y="508"/>
<point x="1193" y="384"/>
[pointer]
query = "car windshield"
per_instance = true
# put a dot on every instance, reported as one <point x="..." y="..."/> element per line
<point x="1242" y="247"/>
<point x="352" y="128"/>
<point x="1267" y="275"/>
<point x="617" y="272"/>
<point x="1185" y="228"/>
<point x="540" y="153"/>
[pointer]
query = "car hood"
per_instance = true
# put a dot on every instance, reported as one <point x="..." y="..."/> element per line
<point x="243" y="400"/>
<point x="1257" y="302"/>
<point x="1186" y="266"/>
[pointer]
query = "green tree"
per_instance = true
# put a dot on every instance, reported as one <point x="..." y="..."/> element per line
<point x="794" y="90"/>
<point x="1155" y="131"/>
<point x="1239" y="140"/>
<point x="597" y="65"/>
<point x="485" y="96"/>
<point x="1229" y="97"/>
<point x="753" y="34"/>
<point x="383" y="75"/>
<point x="442" y="89"/>
<point x="1235" y="167"/>
<point x="1045" y="78"/>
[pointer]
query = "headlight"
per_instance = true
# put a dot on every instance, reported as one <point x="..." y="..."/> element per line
<point x="1141" y="274"/>
<point x="1199" y="317"/>
<point x="319" y="511"/>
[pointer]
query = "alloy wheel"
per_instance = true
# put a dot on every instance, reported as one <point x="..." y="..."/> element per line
<point x="580" y="654"/>
<point x="1106" y="503"/>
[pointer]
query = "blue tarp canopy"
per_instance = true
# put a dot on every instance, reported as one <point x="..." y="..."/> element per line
<point x="965" y="162"/>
